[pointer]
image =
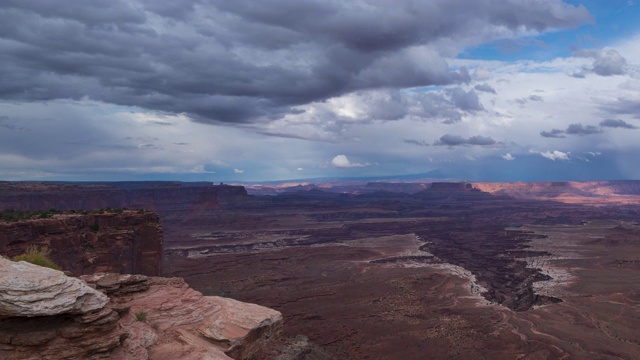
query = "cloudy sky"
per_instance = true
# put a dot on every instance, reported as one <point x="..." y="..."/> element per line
<point x="217" y="90"/>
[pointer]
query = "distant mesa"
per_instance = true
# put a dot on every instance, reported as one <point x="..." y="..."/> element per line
<point x="168" y="199"/>
<point x="452" y="186"/>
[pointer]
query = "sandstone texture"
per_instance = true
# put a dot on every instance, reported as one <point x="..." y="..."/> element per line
<point x="26" y="290"/>
<point x="185" y="319"/>
<point x="142" y="318"/>
<point x="126" y="242"/>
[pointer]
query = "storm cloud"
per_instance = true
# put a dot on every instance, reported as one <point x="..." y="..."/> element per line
<point x="573" y="129"/>
<point x="579" y="129"/>
<point x="624" y="106"/>
<point x="617" y="123"/>
<point x="455" y="140"/>
<point x="553" y="133"/>
<point x="252" y="62"/>
<point x="485" y="88"/>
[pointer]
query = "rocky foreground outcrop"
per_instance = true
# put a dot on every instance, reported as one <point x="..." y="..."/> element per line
<point x="27" y="291"/>
<point x="128" y="242"/>
<point x="144" y="318"/>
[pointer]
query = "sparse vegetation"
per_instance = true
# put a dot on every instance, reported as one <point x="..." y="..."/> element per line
<point x="38" y="255"/>
<point x="141" y="315"/>
<point x="11" y="215"/>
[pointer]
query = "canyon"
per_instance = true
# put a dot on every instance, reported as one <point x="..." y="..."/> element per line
<point x="384" y="270"/>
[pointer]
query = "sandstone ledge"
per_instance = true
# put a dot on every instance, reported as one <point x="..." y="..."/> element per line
<point x="26" y="290"/>
<point x="146" y="318"/>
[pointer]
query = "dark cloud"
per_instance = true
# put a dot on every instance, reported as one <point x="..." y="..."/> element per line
<point x="624" y="106"/>
<point x="554" y="133"/>
<point x="485" y="88"/>
<point x="480" y="140"/>
<point x="448" y="106"/>
<point x="536" y="98"/>
<point x="159" y="122"/>
<point x="579" y="129"/>
<point x="465" y="100"/>
<point x="616" y="123"/>
<point x="605" y="62"/>
<point x="384" y="105"/>
<point x="417" y="142"/>
<point x="451" y="140"/>
<point x="455" y="140"/>
<point x="238" y="61"/>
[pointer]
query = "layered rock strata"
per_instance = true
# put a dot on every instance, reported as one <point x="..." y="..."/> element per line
<point x="145" y="318"/>
<point x="27" y="291"/>
<point x="128" y="242"/>
<point x="168" y="199"/>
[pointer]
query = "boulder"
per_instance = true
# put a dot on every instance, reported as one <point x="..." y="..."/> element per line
<point x="28" y="290"/>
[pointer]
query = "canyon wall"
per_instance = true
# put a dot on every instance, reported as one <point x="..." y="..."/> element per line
<point x="128" y="242"/>
<point x="169" y="199"/>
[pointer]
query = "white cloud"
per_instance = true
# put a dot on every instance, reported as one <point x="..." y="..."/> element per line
<point x="342" y="161"/>
<point x="606" y="62"/>
<point x="508" y="157"/>
<point x="238" y="171"/>
<point x="555" y="155"/>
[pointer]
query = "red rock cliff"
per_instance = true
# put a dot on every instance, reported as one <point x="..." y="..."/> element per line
<point x="169" y="199"/>
<point x="127" y="243"/>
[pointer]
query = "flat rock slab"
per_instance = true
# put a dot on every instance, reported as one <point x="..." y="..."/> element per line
<point x="29" y="290"/>
<point x="187" y="320"/>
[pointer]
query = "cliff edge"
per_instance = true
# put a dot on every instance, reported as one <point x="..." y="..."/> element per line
<point x="128" y="242"/>
<point x="114" y="316"/>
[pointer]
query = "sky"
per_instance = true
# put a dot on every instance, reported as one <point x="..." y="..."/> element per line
<point x="217" y="90"/>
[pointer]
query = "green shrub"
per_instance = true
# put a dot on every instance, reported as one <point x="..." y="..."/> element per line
<point x="141" y="315"/>
<point x="38" y="255"/>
